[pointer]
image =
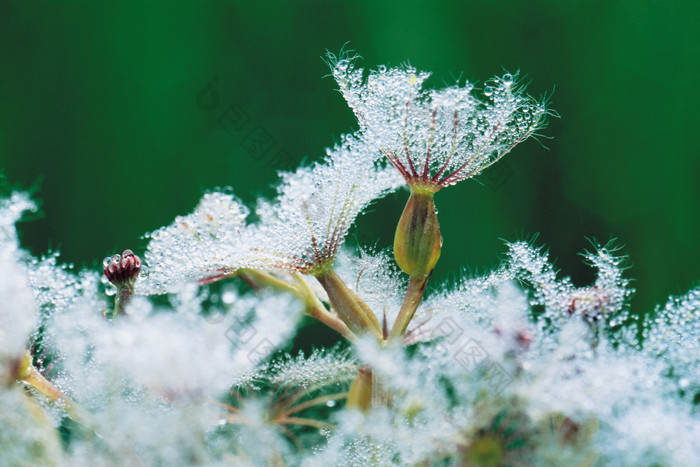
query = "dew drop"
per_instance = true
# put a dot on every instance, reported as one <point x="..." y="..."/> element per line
<point x="330" y="403"/>
<point x="508" y="79"/>
<point x="106" y="261"/>
<point x="229" y="296"/>
<point x="145" y="271"/>
<point x="488" y="91"/>
<point x="381" y="68"/>
<point x="110" y="291"/>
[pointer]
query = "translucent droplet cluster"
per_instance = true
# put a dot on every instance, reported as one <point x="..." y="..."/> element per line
<point x="316" y="206"/>
<point x="321" y="368"/>
<point x="373" y="275"/>
<point x="18" y="311"/>
<point x="196" y="246"/>
<point x="516" y="366"/>
<point x="602" y="304"/>
<point x="672" y="333"/>
<point x="437" y="137"/>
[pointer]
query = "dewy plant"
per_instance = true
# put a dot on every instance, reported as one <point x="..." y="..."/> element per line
<point x="188" y="357"/>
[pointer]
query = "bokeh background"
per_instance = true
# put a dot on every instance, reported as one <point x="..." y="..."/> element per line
<point x="121" y="114"/>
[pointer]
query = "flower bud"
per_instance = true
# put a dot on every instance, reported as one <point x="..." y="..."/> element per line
<point x="124" y="268"/>
<point x="417" y="242"/>
<point x="122" y="271"/>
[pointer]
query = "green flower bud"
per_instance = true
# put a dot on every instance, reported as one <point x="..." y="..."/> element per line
<point x="418" y="242"/>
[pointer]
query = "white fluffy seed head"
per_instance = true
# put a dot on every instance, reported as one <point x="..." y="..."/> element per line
<point x="437" y="137"/>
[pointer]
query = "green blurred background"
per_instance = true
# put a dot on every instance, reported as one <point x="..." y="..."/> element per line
<point x="104" y="107"/>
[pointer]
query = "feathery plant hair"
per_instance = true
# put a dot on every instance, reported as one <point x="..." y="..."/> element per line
<point x="192" y="356"/>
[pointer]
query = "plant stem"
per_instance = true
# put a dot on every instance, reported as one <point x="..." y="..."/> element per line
<point x="124" y="293"/>
<point x="29" y="375"/>
<point x="317" y="401"/>
<point x="259" y="279"/>
<point x="361" y="390"/>
<point x="314" y="308"/>
<point x="352" y="309"/>
<point x="306" y="422"/>
<point x="317" y="310"/>
<point x="413" y="297"/>
<point x="332" y="321"/>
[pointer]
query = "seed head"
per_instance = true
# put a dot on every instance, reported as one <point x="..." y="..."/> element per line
<point x="436" y="138"/>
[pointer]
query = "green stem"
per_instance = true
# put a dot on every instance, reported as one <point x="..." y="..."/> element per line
<point x="29" y="375"/>
<point x="317" y="310"/>
<point x="124" y="293"/>
<point x="332" y="321"/>
<point x="306" y="422"/>
<point x="413" y="297"/>
<point x="316" y="401"/>
<point x="259" y="279"/>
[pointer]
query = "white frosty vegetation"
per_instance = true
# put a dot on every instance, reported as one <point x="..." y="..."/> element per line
<point x="437" y="137"/>
<point x="316" y="206"/>
<point x="201" y="244"/>
<point x="18" y="313"/>
<point x="198" y="360"/>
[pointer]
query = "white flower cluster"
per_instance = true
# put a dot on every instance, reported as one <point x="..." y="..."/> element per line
<point x="200" y="361"/>
<point x="437" y="137"/>
<point x="17" y="309"/>
<point x="316" y="206"/>
<point x="302" y="229"/>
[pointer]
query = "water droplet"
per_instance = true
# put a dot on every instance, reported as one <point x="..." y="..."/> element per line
<point x="508" y="79"/>
<point x="110" y="291"/>
<point x="488" y="91"/>
<point x="330" y="403"/>
<point x="381" y="68"/>
<point x="106" y="261"/>
<point x="683" y="383"/>
<point x="145" y="271"/>
<point x="229" y="296"/>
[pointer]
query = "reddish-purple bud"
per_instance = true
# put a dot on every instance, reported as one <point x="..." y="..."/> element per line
<point x="122" y="269"/>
